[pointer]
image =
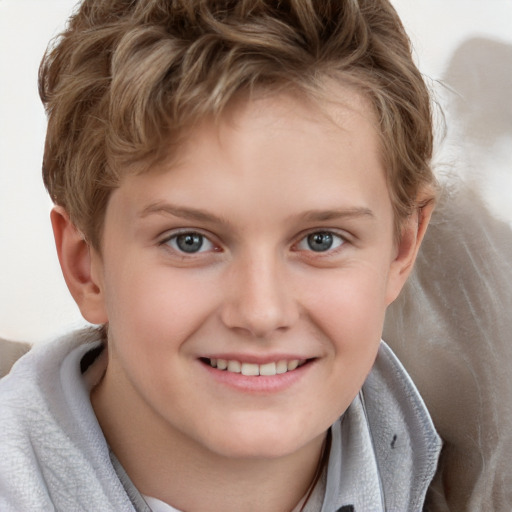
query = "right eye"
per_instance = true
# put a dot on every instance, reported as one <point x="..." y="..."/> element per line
<point x="321" y="241"/>
<point x="190" y="242"/>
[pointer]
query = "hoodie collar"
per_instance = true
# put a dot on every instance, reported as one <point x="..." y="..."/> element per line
<point x="384" y="449"/>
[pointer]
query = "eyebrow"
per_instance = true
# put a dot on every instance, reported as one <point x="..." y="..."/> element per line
<point x="341" y="213"/>
<point x="196" y="214"/>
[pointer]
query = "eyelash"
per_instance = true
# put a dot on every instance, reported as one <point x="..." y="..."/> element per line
<point x="172" y="241"/>
<point x="335" y="239"/>
<point x="303" y="244"/>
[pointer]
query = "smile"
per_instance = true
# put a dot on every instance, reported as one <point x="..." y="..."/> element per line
<point x="253" y="369"/>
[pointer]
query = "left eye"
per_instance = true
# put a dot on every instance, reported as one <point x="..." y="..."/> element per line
<point x="320" y="241"/>
<point x="190" y="243"/>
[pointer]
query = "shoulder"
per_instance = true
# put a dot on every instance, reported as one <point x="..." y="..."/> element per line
<point x="51" y="444"/>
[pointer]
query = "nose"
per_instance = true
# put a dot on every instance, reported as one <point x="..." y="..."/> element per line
<point x="259" y="299"/>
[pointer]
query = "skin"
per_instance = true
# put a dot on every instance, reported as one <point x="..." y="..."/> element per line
<point x="272" y="171"/>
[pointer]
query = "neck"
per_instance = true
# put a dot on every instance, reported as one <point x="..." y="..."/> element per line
<point x="166" y="464"/>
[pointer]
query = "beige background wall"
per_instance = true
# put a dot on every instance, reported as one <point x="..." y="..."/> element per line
<point x="464" y="43"/>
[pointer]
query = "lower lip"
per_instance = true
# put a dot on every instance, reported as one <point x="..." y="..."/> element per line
<point x="262" y="384"/>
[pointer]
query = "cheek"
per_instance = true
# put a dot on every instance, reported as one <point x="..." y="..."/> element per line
<point x="350" y="319"/>
<point x="351" y="307"/>
<point x="156" y="306"/>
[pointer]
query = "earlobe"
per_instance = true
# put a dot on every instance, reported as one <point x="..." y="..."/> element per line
<point x="413" y="231"/>
<point x="76" y="261"/>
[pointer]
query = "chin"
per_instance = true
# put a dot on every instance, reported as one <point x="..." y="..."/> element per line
<point x="263" y="443"/>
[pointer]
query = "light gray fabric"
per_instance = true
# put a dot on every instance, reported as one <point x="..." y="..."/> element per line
<point x="452" y="329"/>
<point x="54" y="457"/>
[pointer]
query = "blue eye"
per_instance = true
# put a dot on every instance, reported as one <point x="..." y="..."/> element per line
<point x="320" y="241"/>
<point x="190" y="243"/>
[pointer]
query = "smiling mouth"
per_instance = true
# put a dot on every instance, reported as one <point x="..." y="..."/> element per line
<point x="253" y="369"/>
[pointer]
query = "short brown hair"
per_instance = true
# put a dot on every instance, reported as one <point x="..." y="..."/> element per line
<point x="127" y="74"/>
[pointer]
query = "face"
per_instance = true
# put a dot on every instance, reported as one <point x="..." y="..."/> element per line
<point x="245" y="282"/>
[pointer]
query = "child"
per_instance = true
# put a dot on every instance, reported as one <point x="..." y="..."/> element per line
<point x="241" y="189"/>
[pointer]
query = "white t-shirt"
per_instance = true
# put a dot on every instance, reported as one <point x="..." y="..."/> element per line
<point x="158" y="506"/>
<point x="314" y="503"/>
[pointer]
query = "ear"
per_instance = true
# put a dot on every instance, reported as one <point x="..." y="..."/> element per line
<point x="413" y="231"/>
<point x="80" y="265"/>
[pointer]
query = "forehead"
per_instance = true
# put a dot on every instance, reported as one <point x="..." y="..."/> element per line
<point x="329" y="108"/>
<point x="326" y="114"/>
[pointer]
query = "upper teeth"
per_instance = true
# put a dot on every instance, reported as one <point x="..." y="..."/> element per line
<point x="253" y="369"/>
